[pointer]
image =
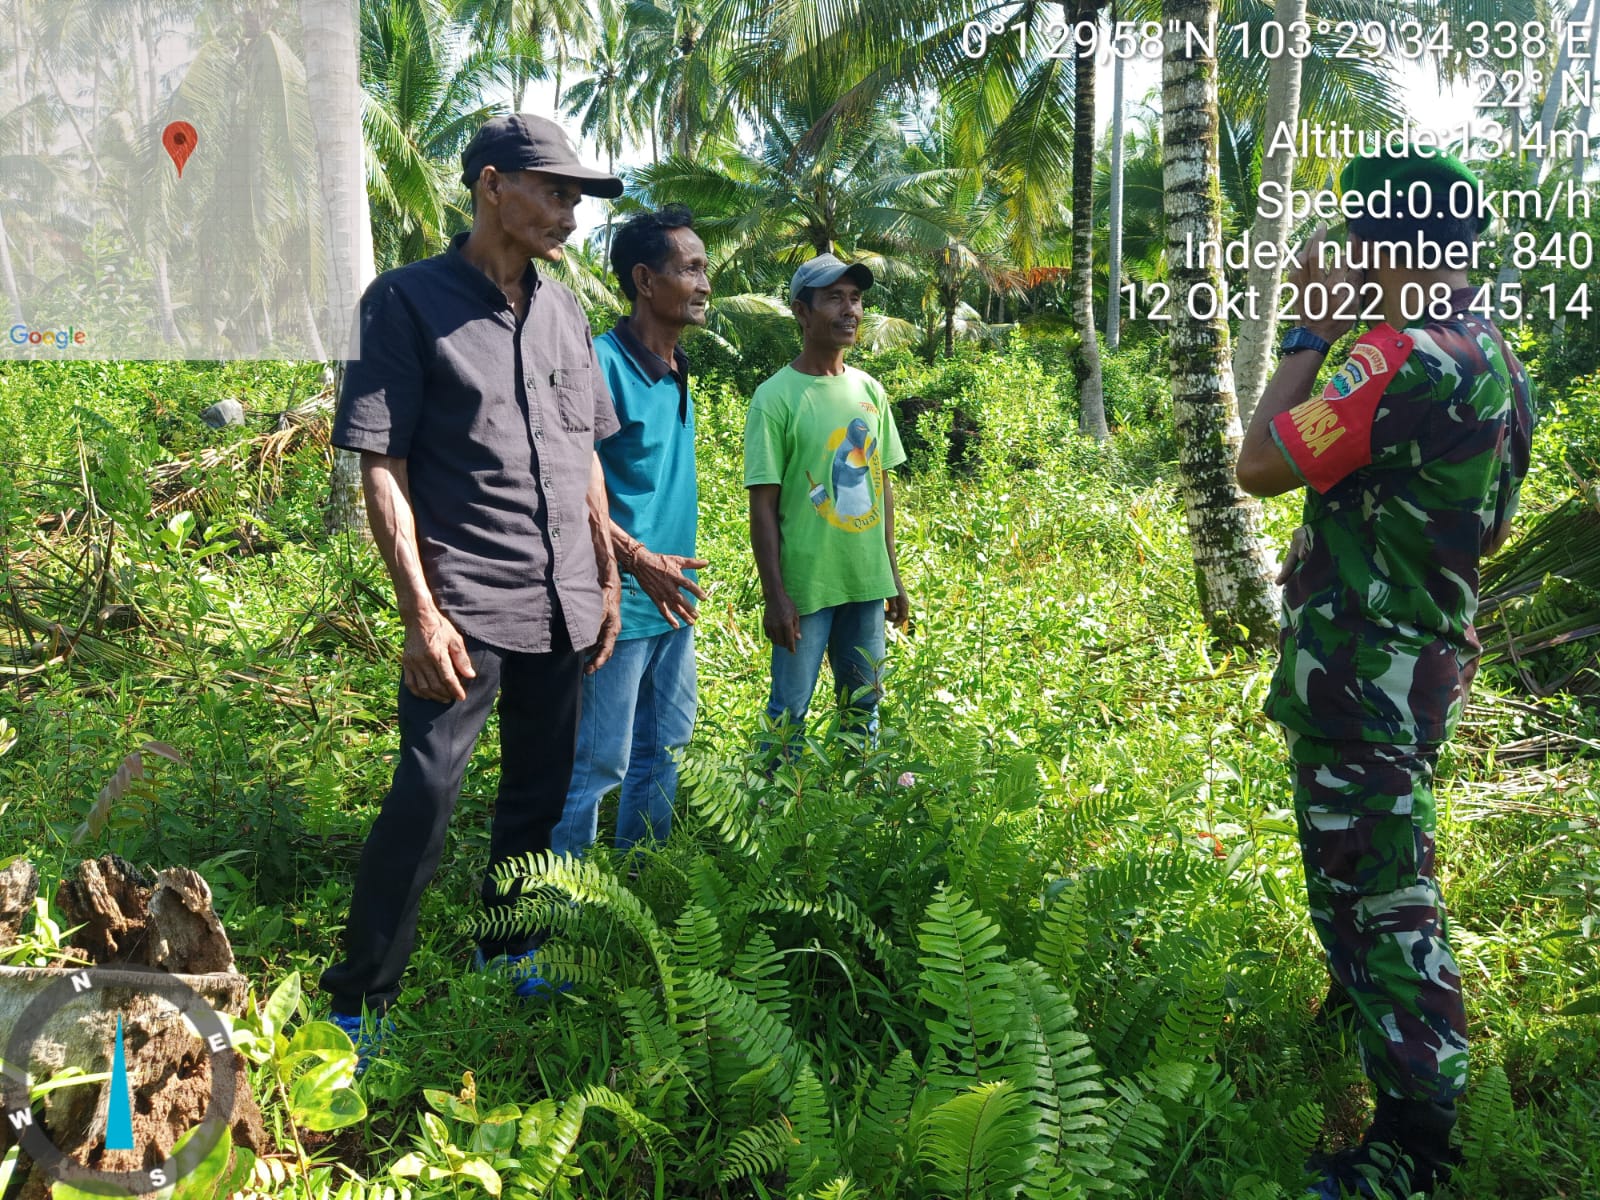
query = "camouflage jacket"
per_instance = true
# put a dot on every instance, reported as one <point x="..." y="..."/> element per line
<point x="1413" y="455"/>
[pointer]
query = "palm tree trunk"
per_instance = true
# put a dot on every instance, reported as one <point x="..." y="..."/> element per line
<point x="18" y="58"/>
<point x="1552" y="95"/>
<point x="164" y="310"/>
<point x="611" y="169"/>
<point x="8" y="273"/>
<point x="1114" y="261"/>
<point x="308" y="316"/>
<point x="683" y="121"/>
<point x="1091" y="393"/>
<point x="1236" y="591"/>
<point x="1508" y="272"/>
<point x="1260" y="331"/>
<point x="330" y="50"/>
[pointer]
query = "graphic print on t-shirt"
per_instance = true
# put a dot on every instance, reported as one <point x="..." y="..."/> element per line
<point x="848" y="499"/>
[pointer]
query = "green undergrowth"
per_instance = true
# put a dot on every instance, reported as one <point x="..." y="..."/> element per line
<point x="1047" y="938"/>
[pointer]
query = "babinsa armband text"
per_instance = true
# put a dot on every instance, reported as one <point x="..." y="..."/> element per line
<point x="1330" y="435"/>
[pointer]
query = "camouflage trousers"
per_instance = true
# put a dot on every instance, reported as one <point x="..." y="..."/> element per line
<point x="1366" y="818"/>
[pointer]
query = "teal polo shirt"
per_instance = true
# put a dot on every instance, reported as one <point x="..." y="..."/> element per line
<point x="649" y="461"/>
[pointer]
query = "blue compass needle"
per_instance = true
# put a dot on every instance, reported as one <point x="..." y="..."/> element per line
<point x="119" y="1110"/>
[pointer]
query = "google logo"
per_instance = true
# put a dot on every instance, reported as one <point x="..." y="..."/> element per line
<point x="21" y="335"/>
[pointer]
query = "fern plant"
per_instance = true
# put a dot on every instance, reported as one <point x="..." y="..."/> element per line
<point x="808" y="992"/>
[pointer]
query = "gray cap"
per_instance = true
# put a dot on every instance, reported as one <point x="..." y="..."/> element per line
<point x="525" y="142"/>
<point x="825" y="269"/>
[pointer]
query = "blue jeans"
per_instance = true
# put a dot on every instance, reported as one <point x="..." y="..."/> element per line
<point x="853" y="637"/>
<point x="638" y="713"/>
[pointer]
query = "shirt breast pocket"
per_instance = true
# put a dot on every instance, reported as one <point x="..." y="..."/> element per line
<point x="574" y="390"/>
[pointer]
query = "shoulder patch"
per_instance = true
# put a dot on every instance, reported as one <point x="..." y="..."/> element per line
<point x="1329" y="436"/>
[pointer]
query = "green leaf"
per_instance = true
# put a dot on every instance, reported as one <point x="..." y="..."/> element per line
<point x="438" y="1137"/>
<point x="535" y="1122"/>
<point x="1273" y="889"/>
<point x="1584" y="1006"/>
<point x="345" y="1107"/>
<point x="281" y="1005"/>
<point x="451" y="1105"/>
<point x="322" y="1098"/>
<point x="66" y="1078"/>
<point x="495" y="1138"/>
<point x="315" y="1036"/>
<point x="65" y="1191"/>
<point x="409" y="1166"/>
<point x="978" y="1142"/>
<point x="487" y="1177"/>
<point x="239" y="1176"/>
<point x="201" y="1182"/>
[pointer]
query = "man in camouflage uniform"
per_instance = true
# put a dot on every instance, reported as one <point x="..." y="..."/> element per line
<point x="1412" y="455"/>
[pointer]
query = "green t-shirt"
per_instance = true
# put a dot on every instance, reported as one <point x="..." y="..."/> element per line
<point x="826" y="440"/>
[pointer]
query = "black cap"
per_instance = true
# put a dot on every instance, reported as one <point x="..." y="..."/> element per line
<point x="525" y="142"/>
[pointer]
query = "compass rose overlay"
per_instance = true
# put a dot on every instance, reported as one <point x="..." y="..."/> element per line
<point x="99" y="990"/>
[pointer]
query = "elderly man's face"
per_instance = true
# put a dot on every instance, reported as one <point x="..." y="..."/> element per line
<point x="537" y="211"/>
<point x="678" y="293"/>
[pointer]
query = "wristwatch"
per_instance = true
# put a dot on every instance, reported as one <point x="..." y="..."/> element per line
<point x="1301" y="338"/>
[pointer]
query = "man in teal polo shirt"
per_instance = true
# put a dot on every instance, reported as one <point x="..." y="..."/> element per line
<point x="638" y="710"/>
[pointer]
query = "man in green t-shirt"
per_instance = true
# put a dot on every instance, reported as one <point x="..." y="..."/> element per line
<point x="817" y="445"/>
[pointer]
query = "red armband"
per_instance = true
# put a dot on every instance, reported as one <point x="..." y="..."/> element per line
<point x="1330" y="436"/>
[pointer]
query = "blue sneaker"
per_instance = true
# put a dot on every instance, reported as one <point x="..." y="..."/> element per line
<point x="523" y="968"/>
<point x="366" y="1033"/>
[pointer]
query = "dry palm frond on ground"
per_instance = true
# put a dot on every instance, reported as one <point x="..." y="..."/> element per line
<point x="1541" y="600"/>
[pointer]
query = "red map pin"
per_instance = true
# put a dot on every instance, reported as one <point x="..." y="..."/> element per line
<point x="179" y="138"/>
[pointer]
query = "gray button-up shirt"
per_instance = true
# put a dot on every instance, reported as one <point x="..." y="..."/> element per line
<point x="497" y="422"/>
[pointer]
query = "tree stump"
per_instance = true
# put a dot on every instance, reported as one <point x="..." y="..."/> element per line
<point x="131" y="920"/>
<point x="129" y="917"/>
<point x="186" y="936"/>
<point x="109" y="898"/>
<point x="19" y="884"/>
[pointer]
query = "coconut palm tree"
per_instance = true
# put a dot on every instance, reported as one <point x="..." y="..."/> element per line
<point x="1277" y="168"/>
<point x="766" y="208"/>
<point x="1032" y="112"/>
<point x="534" y="39"/>
<point x="603" y="100"/>
<point x="1118" y="178"/>
<point x="681" y="73"/>
<point x="1141" y="225"/>
<point x="332" y="39"/>
<point x="422" y="106"/>
<point x="1231" y="561"/>
<point x="948" y="222"/>
<point x="23" y="177"/>
<point x="1086" y="363"/>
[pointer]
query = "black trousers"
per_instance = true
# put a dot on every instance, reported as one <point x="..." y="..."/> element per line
<point x="539" y="702"/>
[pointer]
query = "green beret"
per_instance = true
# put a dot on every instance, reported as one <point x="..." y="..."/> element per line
<point x="1395" y="171"/>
